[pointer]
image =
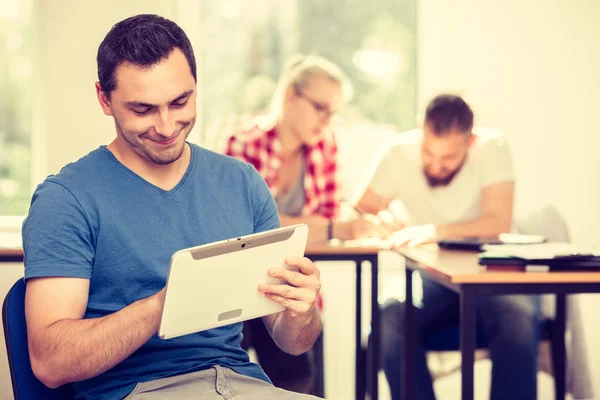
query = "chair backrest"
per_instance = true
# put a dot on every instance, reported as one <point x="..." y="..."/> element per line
<point x="549" y="222"/>
<point x="25" y="384"/>
<point x="546" y="221"/>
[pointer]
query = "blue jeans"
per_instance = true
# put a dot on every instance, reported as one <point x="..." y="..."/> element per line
<point x="510" y="324"/>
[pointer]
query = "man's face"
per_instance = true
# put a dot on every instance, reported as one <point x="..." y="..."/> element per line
<point x="310" y="111"/>
<point x="154" y="108"/>
<point x="443" y="156"/>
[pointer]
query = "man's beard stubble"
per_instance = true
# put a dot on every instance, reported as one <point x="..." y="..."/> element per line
<point x="172" y="156"/>
<point x="435" y="182"/>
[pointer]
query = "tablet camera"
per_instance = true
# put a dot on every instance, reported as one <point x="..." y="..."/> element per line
<point x="243" y="245"/>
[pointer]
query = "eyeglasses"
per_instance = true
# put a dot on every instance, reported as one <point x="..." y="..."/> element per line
<point x="322" y="110"/>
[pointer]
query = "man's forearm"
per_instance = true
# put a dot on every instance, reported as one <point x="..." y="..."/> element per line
<point x="74" y="350"/>
<point x="296" y="335"/>
<point x="486" y="226"/>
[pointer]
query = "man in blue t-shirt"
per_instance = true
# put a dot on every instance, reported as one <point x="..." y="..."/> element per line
<point x="100" y="234"/>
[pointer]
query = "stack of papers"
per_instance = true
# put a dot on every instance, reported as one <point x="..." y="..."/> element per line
<point x="542" y="251"/>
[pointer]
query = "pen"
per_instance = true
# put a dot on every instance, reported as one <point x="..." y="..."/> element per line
<point x="356" y="209"/>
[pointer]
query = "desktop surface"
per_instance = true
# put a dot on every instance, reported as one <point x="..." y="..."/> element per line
<point x="462" y="267"/>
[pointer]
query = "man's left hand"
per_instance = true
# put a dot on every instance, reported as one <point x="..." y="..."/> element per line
<point x="299" y="293"/>
<point x="413" y="235"/>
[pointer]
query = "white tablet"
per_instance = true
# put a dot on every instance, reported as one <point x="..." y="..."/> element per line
<point x="217" y="284"/>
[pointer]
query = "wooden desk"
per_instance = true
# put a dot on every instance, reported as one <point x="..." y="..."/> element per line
<point x="10" y="247"/>
<point x="11" y="255"/>
<point x="357" y="254"/>
<point x="460" y="272"/>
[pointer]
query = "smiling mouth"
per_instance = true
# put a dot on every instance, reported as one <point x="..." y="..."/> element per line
<point x="167" y="141"/>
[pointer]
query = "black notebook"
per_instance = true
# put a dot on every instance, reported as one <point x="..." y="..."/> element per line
<point x="477" y="243"/>
<point x="556" y="260"/>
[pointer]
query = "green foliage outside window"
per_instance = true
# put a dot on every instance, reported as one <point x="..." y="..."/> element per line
<point x="15" y="114"/>
<point x="245" y="44"/>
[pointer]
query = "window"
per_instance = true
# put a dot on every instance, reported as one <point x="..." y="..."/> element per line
<point x="241" y="47"/>
<point x="15" y="106"/>
<point x="245" y="43"/>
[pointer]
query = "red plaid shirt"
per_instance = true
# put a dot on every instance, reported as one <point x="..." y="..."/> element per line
<point x="262" y="148"/>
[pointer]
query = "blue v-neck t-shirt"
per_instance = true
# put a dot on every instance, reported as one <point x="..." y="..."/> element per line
<point x="98" y="220"/>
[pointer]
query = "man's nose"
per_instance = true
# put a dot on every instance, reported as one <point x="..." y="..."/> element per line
<point x="165" y="125"/>
<point x="435" y="168"/>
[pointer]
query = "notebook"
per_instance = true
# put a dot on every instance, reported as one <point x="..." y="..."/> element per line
<point x="477" y="243"/>
<point x="556" y="256"/>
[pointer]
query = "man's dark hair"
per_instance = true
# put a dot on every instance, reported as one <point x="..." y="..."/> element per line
<point x="142" y="40"/>
<point x="446" y="113"/>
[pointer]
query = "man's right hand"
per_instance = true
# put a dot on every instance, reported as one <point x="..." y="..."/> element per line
<point x="365" y="226"/>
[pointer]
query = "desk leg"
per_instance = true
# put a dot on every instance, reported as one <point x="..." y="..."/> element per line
<point x="408" y="383"/>
<point x="359" y="368"/>
<point x="375" y="326"/>
<point x="467" y="340"/>
<point x="558" y="347"/>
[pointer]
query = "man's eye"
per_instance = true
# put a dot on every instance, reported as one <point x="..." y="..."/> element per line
<point x="320" y="107"/>
<point x="142" y="112"/>
<point x="180" y="104"/>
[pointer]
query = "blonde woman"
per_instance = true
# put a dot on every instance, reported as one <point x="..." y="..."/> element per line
<point x="294" y="150"/>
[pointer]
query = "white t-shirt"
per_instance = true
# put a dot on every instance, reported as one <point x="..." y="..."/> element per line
<point x="400" y="176"/>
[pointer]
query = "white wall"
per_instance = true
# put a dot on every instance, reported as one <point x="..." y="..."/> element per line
<point x="532" y="69"/>
<point x="70" y="122"/>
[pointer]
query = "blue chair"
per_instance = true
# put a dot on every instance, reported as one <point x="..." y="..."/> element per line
<point x="25" y="384"/>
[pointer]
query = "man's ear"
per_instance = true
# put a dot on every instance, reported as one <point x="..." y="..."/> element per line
<point x="103" y="100"/>
<point x="472" y="138"/>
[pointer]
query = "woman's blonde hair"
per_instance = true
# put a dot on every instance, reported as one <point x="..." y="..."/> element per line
<point x="298" y="72"/>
